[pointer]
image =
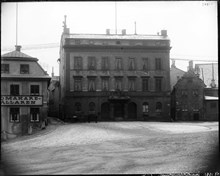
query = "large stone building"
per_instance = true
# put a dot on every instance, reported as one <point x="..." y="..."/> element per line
<point x="24" y="95"/>
<point x="116" y="77"/>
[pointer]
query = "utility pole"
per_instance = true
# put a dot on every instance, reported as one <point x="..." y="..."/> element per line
<point x="16" y="23"/>
<point x="115" y="17"/>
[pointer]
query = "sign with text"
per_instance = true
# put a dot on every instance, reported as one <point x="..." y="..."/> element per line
<point x="23" y="100"/>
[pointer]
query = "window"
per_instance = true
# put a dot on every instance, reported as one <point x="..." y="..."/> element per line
<point x="184" y="93"/>
<point x="105" y="84"/>
<point x="118" y="63"/>
<point x="77" y="63"/>
<point x="77" y="84"/>
<point x="105" y="63"/>
<point x="14" y="89"/>
<point x="91" y="84"/>
<point x="158" y="63"/>
<point x="158" y="86"/>
<point x="131" y="64"/>
<point x="91" y="106"/>
<point x="213" y="105"/>
<point x="77" y="107"/>
<point x="158" y="107"/>
<point x="24" y="69"/>
<point x="195" y="92"/>
<point x="184" y="107"/>
<point x="145" y="64"/>
<point x="118" y="84"/>
<point x="118" y="42"/>
<point x="4" y="68"/>
<point x="131" y="84"/>
<point x="92" y="63"/>
<point x="35" y="114"/>
<point x="145" y="107"/>
<point x="35" y="90"/>
<point x="14" y="115"/>
<point x="145" y="84"/>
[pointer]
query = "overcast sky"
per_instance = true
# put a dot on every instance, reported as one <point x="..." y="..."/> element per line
<point x="191" y="26"/>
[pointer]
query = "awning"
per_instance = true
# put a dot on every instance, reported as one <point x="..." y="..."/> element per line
<point x="211" y="98"/>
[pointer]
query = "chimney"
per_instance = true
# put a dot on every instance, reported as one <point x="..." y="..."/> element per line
<point x="123" y="31"/>
<point x="173" y="64"/>
<point x="18" y="48"/>
<point x="164" y="33"/>
<point x="190" y="65"/>
<point x="107" y="31"/>
<point x="52" y="72"/>
<point x="213" y="85"/>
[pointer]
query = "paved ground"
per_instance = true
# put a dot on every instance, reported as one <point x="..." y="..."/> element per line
<point x="115" y="147"/>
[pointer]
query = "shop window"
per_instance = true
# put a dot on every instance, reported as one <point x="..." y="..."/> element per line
<point x="78" y="107"/>
<point x="105" y="64"/>
<point x="35" y="90"/>
<point x="91" y="63"/>
<point x="158" y="84"/>
<point x="118" y="63"/>
<point x="158" y="107"/>
<point x="35" y="113"/>
<point x="105" y="84"/>
<point x="4" y="68"/>
<point x="131" y="64"/>
<point x="158" y="63"/>
<point x="145" y="107"/>
<point x="131" y="84"/>
<point x="92" y="106"/>
<point x="24" y="69"/>
<point x="77" y="63"/>
<point x="14" y="89"/>
<point x="14" y="115"/>
<point x="77" y="84"/>
<point x="91" y="84"/>
<point x="145" y="82"/>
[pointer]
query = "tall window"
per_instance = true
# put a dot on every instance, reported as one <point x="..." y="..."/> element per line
<point x="158" y="107"/>
<point x="91" y="63"/>
<point x="158" y="84"/>
<point x="131" y="64"/>
<point x="35" y="112"/>
<point x="24" y="69"/>
<point x="77" y="84"/>
<point x="145" y="107"/>
<point x="105" y="64"/>
<point x="91" y="84"/>
<point x="92" y="106"/>
<point x="14" y="115"/>
<point x="105" y="84"/>
<point x="118" y="84"/>
<point x="77" y="107"/>
<point x="4" y="68"/>
<point x="118" y="63"/>
<point x="145" y="82"/>
<point x="131" y="84"/>
<point x="158" y="63"/>
<point x="14" y="89"/>
<point x="77" y="63"/>
<point x="145" y="64"/>
<point x="35" y="90"/>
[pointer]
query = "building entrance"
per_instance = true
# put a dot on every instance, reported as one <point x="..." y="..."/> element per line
<point x="105" y="111"/>
<point x="132" y="111"/>
<point x="119" y="110"/>
<point x="196" y="116"/>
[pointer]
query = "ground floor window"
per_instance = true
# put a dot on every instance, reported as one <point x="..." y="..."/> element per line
<point x="158" y="107"/>
<point x="14" y="115"/>
<point x="35" y="114"/>
<point x="77" y="107"/>
<point x="145" y="107"/>
<point x="91" y="106"/>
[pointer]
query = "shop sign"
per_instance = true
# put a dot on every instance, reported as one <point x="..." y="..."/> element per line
<point x="21" y="100"/>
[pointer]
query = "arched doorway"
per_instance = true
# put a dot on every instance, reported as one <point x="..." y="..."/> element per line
<point x="105" y="111"/>
<point x="132" y="111"/>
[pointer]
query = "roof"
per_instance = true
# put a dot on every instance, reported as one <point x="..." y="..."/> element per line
<point x="211" y="98"/>
<point x="25" y="77"/>
<point x="113" y="36"/>
<point x="18" y="55"/>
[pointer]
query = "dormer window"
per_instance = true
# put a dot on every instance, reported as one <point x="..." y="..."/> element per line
<point x="118" y="42"/>
<point x="24" y="69"/>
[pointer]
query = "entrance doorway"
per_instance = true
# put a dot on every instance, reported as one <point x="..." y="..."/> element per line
<point x="132" y="111"/>
<point x="196" y="116"/>
<point x="105" y="111"/>
<point x="119" y="110"/>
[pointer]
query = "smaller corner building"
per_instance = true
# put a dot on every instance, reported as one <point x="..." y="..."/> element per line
<point x="187" y="97"/>
<point x="115" y="76"/>
<point x="24" y="95"/>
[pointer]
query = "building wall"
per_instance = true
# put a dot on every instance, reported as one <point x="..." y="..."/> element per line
<point x="175" y="75"/>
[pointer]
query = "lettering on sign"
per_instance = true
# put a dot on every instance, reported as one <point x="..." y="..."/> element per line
<point x="21" y="100"/>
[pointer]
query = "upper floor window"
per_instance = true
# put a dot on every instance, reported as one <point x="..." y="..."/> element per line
<point x="4" y="68"/>
<point x="35" y="90"/>
<point x="184" y="93"/>
<point x="145" y="107"/>
<point x="118" y="84"/>
<point x="158" y="63"/>
<point x="158" y="84"/>
<point x="91" y="63"/>
<point x="77" y="63"/>
<point x="195" y="92"/>
<point x="77" y="84"/>
<point x="24" y="69"/>
<point x="105" y="64"/>
<point x="14" y="115"/>
<point x="105" y="84"/>
<point x="91" y="84"/>
<point x="118" y="42"/>
<point x="145" y="82"/>
<point x="131" y="84"/>
<point x="14" y="89"/>
<point x="158" y="107"/>
<point x="35" y="112"/>
<point x="118" y="63"/>
<point x="131" y="64"/>
<point x="145" y="64"/>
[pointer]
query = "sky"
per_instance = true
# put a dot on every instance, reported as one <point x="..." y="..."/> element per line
<point x="191" y="26"/>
